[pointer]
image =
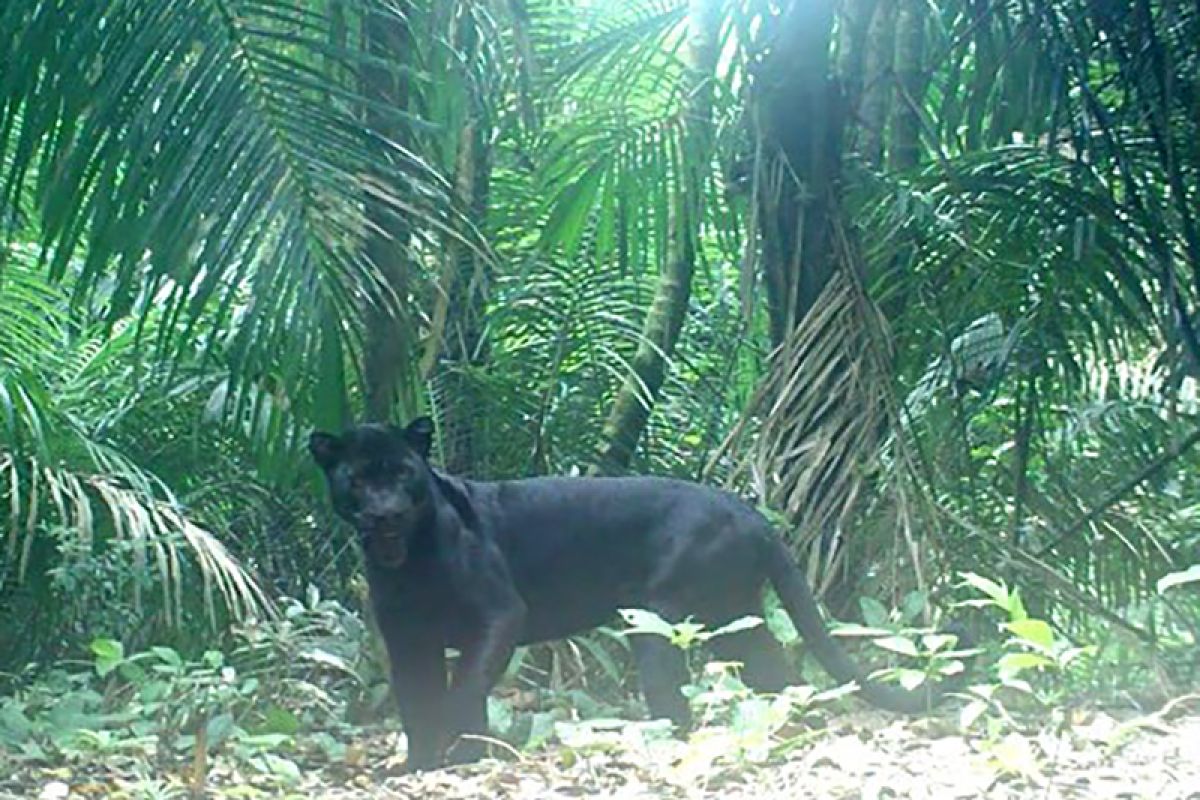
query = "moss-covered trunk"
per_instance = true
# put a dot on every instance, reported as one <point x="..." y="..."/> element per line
<point x="904" y="147"/>
<point x="800" y="115"/>
<point x="387" y="360"/>
<point x="457" y="346"/>
<point x="664" y="320"/>
<point x="877" y="82"/>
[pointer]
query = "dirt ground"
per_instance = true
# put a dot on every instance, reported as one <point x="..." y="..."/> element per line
<point x="861" y="755"/>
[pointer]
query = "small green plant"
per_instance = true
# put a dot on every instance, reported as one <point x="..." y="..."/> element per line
<point x="1031" y="647"/>
<point x="299" y="672"/>
<point x="929" y="654"/>
<point x="172" y="698"/>
<point x="685" y="635"/>
<point x="734" y="723"/>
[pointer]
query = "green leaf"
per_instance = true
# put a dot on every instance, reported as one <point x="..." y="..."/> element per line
<point x="910" y="679"/>
<point x="874" y="613"/>
<point x="936" y="642"/>
<point x="219" y="728"/>
<point x="1012" y="664"/>
<point x="109" y="655"/>
<point x="854" y="629"/>
<point x="950" y="668"/>
<point x="500" y="716"/>
<point x="913" y="605"/>
<point x="741" y="624"/>
<point x="1171" y="580"/>
<point x="167" y="655"/>
<point x="782" y="627"/>
<point x="570" y="209"/>
<point x="996" y="592"/>
<point x="897" y="644"/>
<point x="15" y="727"/>
<point x="279" y="720"/>
<point x="643" y="621"/>
<point x="971" y="713"/>
<point x="264" y="741"/>
<point x="1032" y="631"/>
<point x="686" y="634"/>
<point x="282" y="767"/>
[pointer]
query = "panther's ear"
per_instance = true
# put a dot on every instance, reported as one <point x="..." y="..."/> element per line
<point x="326" y="449"/>
<point x="419" y="435"/>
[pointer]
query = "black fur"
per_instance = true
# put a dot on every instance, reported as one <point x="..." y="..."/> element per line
<point x="486" y="566"/>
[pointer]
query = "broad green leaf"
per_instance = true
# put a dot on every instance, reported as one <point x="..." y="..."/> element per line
<point x="897" y="644"/>
<point x="1034" y="631"/>
<point x="910" y="679"/>
<point x="167" y="655"/>
<point x="109" y="655"/>
<point x="936" y="642"/>
<point x="913" y="605"/>
<point x="971" y="713"/>
<point x="741" y="624"/>
<point x="643" y="621"/>
<point x="1012" y="664"/>
<point x="854" y="629"/>
<point x="282" y="767"/>
<point x="782" y="627"/>
<point x="951" y="668"/>
<point x="279" y="720"/>
<point x="874" y="613"/>
<point x="219" y="728"/>
<point x="994" y="591"/>
<point x="1171" y="580"/>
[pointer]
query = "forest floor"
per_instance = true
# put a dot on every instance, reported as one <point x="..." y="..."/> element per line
<point x="1087" y="753"/>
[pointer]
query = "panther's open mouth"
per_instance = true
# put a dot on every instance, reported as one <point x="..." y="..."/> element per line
<point x="389" y="549"/>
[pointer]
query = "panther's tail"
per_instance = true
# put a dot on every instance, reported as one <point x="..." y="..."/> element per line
<point x="797" y="598"/>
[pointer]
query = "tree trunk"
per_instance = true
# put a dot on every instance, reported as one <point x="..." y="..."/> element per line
<point x="904" y="149"/>
<point x="387" y="358"/>
<point x="660" y="332"/>
<point x="458" y="323"/>
<point x="877" y="83"/>
<point x="527" y="64"/>
<point x="854" y="25"/>
<point x="800" y="117"/>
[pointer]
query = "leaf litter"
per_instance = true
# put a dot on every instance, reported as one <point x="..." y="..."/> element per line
<point x="863" y="755"/>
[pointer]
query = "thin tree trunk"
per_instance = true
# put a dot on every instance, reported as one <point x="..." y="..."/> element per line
<point x="854" y="25"/>
<point x="458" y="316"/>
<point x="389" y="345"/>
<point x="527" y="69"/>
<point x="660" y="332"/>
<point x="983" y="73"/>
<point x="878" y="78"/>
<point x="904" y="149"/>
<point x="800" y="117"/>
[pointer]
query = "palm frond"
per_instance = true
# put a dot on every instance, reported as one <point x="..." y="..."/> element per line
<point x="208" y="159"/>
<point x="825" y="422"/>
<point x="62" y="469"/>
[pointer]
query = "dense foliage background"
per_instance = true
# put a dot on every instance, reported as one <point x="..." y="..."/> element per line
<point x="922" y="278"/>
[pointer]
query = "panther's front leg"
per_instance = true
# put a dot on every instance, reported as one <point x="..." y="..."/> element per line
<point x="481" y="664"/>
<point x="419" y="685"/>
<point x="498" y="617"/>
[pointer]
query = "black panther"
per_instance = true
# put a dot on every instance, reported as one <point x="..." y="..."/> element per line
<point x="485" y="566"/>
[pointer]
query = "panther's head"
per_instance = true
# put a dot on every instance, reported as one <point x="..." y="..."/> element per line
<point x="380" y="482"/>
